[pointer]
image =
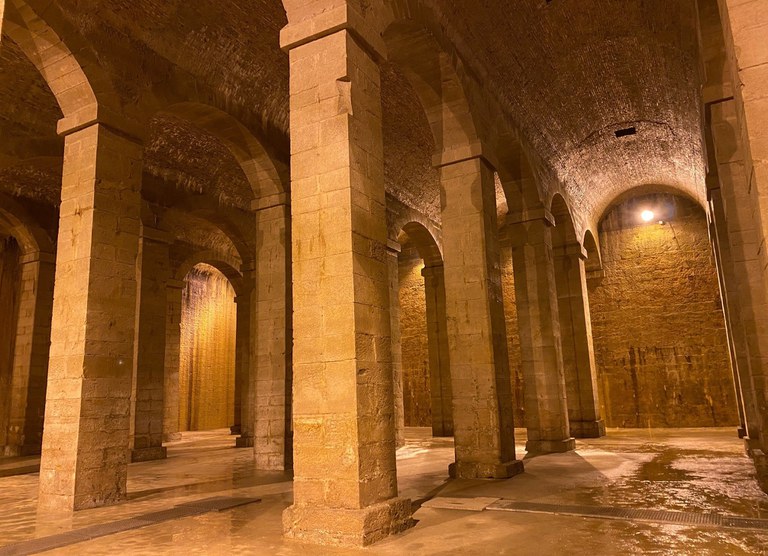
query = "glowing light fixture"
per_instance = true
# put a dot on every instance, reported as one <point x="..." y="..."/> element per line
<point x="647" y="215"/>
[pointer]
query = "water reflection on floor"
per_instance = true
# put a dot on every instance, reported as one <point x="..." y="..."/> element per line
<point x="692" y="470"/>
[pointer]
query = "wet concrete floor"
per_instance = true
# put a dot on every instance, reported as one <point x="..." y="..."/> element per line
<point x="688" y="470"/>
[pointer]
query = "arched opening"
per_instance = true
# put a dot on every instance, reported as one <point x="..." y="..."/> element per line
<point x="10" y="281"/>
<point x="660" y="340"/>
<point x="427" y="393"/>
<point x="207" y="351"/>
<point x="569" y="258"/>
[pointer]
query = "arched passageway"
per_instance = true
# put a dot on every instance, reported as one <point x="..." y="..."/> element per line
<point x="207" y="351"/>
<point x="660" y="340"/>
<point x="427" y="394"/>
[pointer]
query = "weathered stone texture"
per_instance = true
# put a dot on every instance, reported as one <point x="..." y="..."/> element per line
<point x="414" y="342"/>
<point x="10" y="274"/>
<point x="207" y="360"/>
<point x="658" y="325"/>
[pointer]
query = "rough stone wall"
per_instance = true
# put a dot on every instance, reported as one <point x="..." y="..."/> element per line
<point x="207" y="355"/>
<point x="9" y="294"/>
<point x="513" y="337"/>
<point x="658" y="326"/>
<point x="413" y="337"/>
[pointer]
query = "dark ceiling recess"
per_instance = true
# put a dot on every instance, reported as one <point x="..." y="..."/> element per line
<point x="626" y="131"/>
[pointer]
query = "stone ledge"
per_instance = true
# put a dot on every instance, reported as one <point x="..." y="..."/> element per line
<point x="347" y="528"/>
<point x="482" y="470"/>
<point x="588" y="429"/>
<point x="550" y="446"/>
<point x="149" y="454"/>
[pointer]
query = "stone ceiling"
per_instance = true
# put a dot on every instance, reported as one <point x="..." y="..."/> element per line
<point x="569" y="73"/>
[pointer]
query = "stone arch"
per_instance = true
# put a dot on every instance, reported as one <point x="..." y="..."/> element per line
<point x="82" y="90"/>
<point x="424" y="242"/>
<point x="592" y="248"/>
<point x="16" y="221"/>
<point x="223" y="263"/>
<point x="432" y="72"/>
<point x="267" y="176"/>
<point x="564" y="233"/>
<point x="644" y="189"/>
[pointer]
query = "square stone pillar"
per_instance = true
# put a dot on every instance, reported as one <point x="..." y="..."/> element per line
<point x="154" y="273"/>
<point x="439" y="356"/>
<point x="30" y="356"/>
<point x="173" y="310"/>
<point x="729" y="293"/>
<point x="481" y="385"/>
<point x="393" y="274"/>
<point x="87" y="416"/>
<point x="744" y="29"/>
<point x="345" y="478"/>
<point x="271" y="340"/>
<point x="546" y="410"/>
<point x="576" y="342"/>
<point x="244" y="410"/>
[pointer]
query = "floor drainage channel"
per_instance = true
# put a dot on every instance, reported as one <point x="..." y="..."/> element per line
<point x="188" y="509"/>
<point x="632" y="514"/>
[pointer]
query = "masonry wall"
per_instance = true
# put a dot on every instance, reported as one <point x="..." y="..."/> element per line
<point x="413" y="337"/>
<point x="207" y="355"/>
<point x="9" y="295"/>
<point x="513" y="337"/>
<point x="657" y="321"/>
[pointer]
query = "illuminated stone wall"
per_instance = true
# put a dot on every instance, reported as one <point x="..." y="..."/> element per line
<point x="657" y="322"/>
<point x="9" y="293"/>
<point x="513" y="337"/>
<point x="413" y="330"/>
<point x="207" y="358"/>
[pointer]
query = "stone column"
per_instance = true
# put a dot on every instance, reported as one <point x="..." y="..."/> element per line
<point x="393" y="273"/>
<point x="576" y="342"/>
<point x="272" y="339"/>
<point x="173" y="310"/>
<point x="482" y="388"/>
<point x="546" y="411"/>
<point x="744" y="30"/>
<point x="154" y="274"/>
<point x="87" y="416"/>
<point x="30" y="355"/>
<point x="729" y="294"/>
<point x="345" y="478"/>
<point x="439" y="357"/>
<point x="244" y="339"/>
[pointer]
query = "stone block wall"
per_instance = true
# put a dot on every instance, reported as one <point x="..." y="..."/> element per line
<point x="657" y="321"/>
<point x="207" y="354"/>
<point x="9" y="295"/>
<point x="414" y="343"/>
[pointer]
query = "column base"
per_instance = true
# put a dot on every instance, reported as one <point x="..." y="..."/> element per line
<point x="480" y="470"/>
<point x="171" y="436"/>
<point x="347" y="528"/>
<point x="550" y="446"/>
<point x="235" y="429"/>
<point x="751" y="445"/>
<point x="742" y="432"/>
<point x="149" y="454"/>
<point x="588" y="429"/>
<point x="244" y="442"/>
<point x="761" y="466"/>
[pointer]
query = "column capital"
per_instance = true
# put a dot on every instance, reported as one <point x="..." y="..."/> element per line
<point x="531" y="215"/>
<point x="97" y="115"/>
<point x="271" y="201"/>
<point x="176" y="284"/>
<point x="340" y="18"/>
<point x="155" y="234"/>
<point x="569" y="250"/>
<point x="431" y="271"/>
<point x="462" y="153"/>
<point x="37" y="257"/>
<point x="393" y="247"/>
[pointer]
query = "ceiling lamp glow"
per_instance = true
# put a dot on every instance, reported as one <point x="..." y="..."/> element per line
<point x="647" y="215"/>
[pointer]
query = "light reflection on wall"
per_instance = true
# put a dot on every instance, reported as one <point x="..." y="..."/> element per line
<point x="207" y="357"/>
